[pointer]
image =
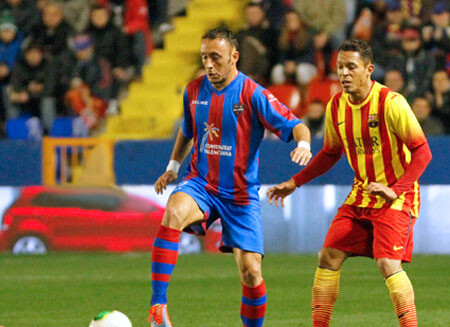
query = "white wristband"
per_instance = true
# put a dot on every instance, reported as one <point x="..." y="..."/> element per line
<point x="304" y="144"/>
<point x="173" y="166"/>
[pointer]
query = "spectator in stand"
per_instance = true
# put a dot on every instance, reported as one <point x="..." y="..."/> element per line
<point x="315" y="118"/>
<point x="90" y="83"/>
<point x="25" y="13"/>
<point x="296" y="53"/>
<point x="440" y="98"/>
<point x="430" y="125"/>
<point x="28" y="86"/>
<point x="326" y="16"/>
<point x="137" y="27"/>
<point x="76" y="13"/>
<point x="415" y="63"/>
<point x="256" y="44"/>
<point x="394" y="80"/>
<point x="10" y="49"/>
<point x="324" y="54"/>
<point x="275" y="11"/>
<point x="387" y="38"/>
<point x="53" y="32"/>
<point x="110" y="44"/>
<point x="436" y="34"/>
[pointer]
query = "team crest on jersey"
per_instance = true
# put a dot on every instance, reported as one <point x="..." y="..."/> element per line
<point x="238" y="109"/>
<point x="373" y="120"/>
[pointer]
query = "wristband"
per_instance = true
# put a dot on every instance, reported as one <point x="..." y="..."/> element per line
<point x="304" y="144"/>
<point x="173" y="166"/>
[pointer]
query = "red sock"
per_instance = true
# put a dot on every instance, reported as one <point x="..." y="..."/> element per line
<point x="253" y="306"/>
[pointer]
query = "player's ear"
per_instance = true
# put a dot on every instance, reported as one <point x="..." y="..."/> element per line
<point x="370" y="69"/>
<point x="235" y="56"/>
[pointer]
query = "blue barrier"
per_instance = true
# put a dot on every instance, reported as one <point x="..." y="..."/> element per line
<point x="20" y="163"/>
<point x="141" y="162"/>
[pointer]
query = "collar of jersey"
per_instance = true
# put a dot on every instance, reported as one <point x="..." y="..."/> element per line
<point x="229" y="86"/>
<point x="363" y="102"/>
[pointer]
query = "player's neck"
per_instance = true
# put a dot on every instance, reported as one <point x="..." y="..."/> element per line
<point x="223" y="84"/>
<point x="362" y="93"/>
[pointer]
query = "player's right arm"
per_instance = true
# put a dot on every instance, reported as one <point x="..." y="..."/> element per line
<point x="322" y="162"/>
<point x="181" y="149"/>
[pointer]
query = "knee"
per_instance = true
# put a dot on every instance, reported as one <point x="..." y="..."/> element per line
<point x="174" y="217"/>
<point x="388" y="267"/>
<point x="251" y="274"/>
<point x="331" y="259"/>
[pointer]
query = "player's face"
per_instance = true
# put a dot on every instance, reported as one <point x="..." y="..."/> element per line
<point x="353" y="73"/>
<point x="219" y="58"/>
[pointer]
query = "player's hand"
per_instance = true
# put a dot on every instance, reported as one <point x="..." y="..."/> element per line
<point x="382" y="190"/>
<point x="166" y="178"/>
<point x="301" y="156"/>
<point x="280" y="191"/>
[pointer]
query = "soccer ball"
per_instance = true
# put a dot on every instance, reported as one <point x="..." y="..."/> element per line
<point x="110" y="319"/>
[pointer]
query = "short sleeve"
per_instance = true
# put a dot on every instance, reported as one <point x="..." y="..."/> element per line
<point x="274" y="115"/>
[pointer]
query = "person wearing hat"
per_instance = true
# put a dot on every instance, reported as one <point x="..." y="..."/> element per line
<point x="10" y="48"/>
<point x="416" y="64"/>
<point x="386" y="40"/>
<point x="29" y="86"/>
<point x="90" y="82"/>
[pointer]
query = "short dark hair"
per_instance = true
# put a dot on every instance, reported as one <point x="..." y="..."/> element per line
<point x="360" y="46"/>
<point x="221" y="32"/>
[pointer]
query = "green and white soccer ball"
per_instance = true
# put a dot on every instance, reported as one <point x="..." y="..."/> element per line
<point x="112" y="318"/>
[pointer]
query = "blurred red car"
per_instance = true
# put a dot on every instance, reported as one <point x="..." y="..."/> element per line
<point x="88" y="219"/>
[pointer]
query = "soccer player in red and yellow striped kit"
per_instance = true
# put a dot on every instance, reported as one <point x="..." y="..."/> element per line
<point x="387" y="149"/>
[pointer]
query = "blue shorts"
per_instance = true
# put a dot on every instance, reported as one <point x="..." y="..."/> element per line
<point x="241" y="224"/>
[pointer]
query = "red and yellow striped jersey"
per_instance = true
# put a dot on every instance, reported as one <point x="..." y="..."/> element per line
<point x="376" y="136"/>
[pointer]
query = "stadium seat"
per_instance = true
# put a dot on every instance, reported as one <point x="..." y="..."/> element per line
<point x="69" y="127"/>
<point x="24" y="128"/>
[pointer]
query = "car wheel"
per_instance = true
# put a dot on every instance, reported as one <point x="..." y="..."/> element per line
<point x="189" y="243"/>
<point x="29" y="245"/>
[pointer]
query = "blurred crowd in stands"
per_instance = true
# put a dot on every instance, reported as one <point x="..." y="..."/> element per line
<point x="71" y="58"/>
<point x="290" y="47"/>
<point x="76" y="58"/>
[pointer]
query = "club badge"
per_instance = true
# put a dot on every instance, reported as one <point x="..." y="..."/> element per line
<point x="373" y="120"/>
<point x="238" y="109"/>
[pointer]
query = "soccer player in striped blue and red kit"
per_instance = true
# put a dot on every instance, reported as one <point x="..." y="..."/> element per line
<point x="225" y="116"/>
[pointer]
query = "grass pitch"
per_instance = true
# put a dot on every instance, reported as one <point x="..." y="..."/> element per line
<point x="67" y="290"/>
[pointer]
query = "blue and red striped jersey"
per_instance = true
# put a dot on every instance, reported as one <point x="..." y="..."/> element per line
<point x="227" y="128"/>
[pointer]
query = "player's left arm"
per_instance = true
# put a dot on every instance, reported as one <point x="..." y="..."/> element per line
<point x="406" y="127"/>
<point x="278" y="119"/>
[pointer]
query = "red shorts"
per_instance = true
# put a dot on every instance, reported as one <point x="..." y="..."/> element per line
<point x="376" y="233"/>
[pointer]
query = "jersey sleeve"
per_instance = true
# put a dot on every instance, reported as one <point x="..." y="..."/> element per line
<point x="274" y="115"/>
<point x="331" y="142"/>
<point x="403" y="122"/>
<point x="187" y="125"/>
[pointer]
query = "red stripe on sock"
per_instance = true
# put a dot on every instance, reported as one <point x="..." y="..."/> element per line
<point x="254" y="292"/>
<point x="253" y="312"/>
<point x="164" y="256"/>
<point x="160" y="277"/>
<point x="168" y="234"/>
